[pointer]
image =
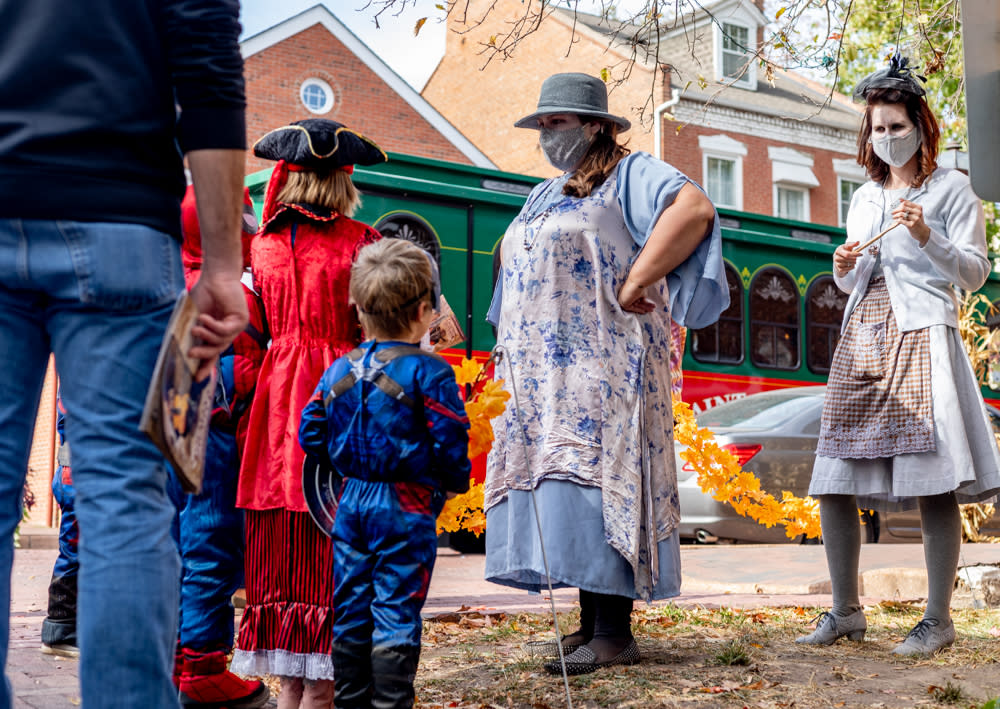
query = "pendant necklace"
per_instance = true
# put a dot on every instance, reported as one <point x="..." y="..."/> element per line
<point x="533" y="225"/>
<point x="886" y="210"/>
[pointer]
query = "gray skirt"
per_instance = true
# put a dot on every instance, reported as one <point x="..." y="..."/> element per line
<point x="966" y="459"/>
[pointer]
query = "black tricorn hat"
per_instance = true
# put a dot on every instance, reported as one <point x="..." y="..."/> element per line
<point x="318" y="144"/>
<point x="898" y="75"/>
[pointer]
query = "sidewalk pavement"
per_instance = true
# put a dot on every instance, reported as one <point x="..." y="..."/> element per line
<point x="738" y="576"/>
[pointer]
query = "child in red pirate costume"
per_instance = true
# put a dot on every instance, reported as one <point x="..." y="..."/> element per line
<point x="301" y="261"/>
<point x="210" y="527"/>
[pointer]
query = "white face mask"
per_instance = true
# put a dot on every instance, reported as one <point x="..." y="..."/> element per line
<point x="896" y="150"/>
<point x="564" y="149"/>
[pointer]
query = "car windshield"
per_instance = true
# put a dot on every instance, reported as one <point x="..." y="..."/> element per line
<point x="765" y="410"/>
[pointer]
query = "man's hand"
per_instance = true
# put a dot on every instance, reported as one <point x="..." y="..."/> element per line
<point x="222" y="316"/>
<point x="218" y="188"/>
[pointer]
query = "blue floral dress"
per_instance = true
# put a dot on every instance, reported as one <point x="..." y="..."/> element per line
<point x="590" y="425"/>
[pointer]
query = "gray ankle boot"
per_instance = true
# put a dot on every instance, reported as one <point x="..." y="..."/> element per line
<point x="927" y="637"/>
<point x="831" y="628"/>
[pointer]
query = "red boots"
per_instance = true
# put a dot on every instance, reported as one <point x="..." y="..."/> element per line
<point x="206" y="683"/>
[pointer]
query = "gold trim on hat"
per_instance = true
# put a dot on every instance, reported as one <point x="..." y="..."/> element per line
<point x="312" y="150"/>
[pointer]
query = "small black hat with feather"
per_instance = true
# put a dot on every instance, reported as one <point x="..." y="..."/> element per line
<point x="898" y="75"/>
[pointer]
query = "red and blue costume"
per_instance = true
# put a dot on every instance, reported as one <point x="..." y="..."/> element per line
<point x="59" y="626"/>
<point x="399" y="448"/>
<point x="301" y="264"/>
<point x="210" y="527"/>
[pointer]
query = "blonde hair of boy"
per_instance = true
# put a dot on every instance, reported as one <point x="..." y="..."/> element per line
<point x="326" y="188"/>
<point x="389" y="280"/>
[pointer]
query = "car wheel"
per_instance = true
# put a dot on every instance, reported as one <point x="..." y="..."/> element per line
<point x="467" y="543"/>
<point x="871" y="528"/>
<point x="810" y="540"/>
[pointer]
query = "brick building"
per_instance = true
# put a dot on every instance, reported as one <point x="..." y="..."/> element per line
<point x="312" y="66"/>
<point x="757" y="147"/>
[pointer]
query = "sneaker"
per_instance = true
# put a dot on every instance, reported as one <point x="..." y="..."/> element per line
<point x="61" y="649"/>
<point x="830" y="628"/>
<point x="927" y="637"/>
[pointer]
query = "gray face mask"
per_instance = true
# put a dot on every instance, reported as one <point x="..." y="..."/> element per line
<point x="896" y="150"/>
<point x="564" y="148"/>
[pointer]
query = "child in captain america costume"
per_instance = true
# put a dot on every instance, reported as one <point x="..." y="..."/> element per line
<point x="209" y="527"/>
<point x="59" y="626"/>
<point x="387" y="417"/>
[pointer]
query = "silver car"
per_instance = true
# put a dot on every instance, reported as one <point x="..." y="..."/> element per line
<point x="774" y="435"/>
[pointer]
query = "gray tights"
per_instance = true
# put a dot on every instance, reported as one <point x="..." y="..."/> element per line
<point x="940" y="525"/>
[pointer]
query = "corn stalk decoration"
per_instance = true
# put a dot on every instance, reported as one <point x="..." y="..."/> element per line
<point x="983" y="346"/>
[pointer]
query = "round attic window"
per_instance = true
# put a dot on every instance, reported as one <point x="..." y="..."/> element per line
<point x="316" y="95"/>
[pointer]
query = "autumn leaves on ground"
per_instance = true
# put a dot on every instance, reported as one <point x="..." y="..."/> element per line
<point x="712" y="658"/>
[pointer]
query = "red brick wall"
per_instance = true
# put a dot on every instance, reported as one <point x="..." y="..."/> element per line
<point x="681" y="150"/>
<point x="484" y="99"/>
<point x="362" y="100"/>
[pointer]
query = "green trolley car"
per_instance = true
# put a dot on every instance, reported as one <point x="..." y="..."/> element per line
<point x="780" y="330"/>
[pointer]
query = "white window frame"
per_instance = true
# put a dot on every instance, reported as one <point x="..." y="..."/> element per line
<point x="847" y="171"/>
<point x="722" y="147"/>
<point x="788" y="187"/>
<point x="327" y="90"/>
<point x="749" y="78"/>
<point x="801" y="163"/>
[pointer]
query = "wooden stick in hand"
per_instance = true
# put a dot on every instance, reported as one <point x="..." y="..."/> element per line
<point x="877" y="237"/>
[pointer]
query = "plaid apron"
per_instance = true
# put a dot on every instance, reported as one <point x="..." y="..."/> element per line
<point x="878" y="397"/>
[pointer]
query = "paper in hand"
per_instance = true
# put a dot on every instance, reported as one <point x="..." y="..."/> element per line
<point x="178" y="408"/>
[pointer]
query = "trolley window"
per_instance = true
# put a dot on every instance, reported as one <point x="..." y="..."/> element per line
<point x="774" y="320"/>
<point x="722" y="341"/>
<point x="412" y="228"/>
<point x="825" y="304"/>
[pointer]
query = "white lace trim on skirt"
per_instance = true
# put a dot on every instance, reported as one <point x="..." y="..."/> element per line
<point x="282" y="663"/>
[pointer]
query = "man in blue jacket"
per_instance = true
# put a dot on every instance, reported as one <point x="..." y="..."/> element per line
<point x="100" y="100"/>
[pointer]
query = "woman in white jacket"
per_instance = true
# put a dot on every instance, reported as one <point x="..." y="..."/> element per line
<point x="904" y="423"/>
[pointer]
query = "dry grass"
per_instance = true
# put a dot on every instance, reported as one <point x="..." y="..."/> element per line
<point x="713" y="658"/>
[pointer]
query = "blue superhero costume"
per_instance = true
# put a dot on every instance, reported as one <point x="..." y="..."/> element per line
<point x="59" y="626"/>
<point x="388" y="418"/>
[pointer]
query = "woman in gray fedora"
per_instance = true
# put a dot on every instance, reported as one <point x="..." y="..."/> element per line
<point x="592" y="270"/>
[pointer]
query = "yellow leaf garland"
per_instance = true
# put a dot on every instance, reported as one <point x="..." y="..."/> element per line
<point x="487" y="401"/>
<point x="720" y="475"/>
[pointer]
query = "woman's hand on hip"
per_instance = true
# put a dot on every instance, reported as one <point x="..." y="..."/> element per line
<point x="911" y="215"/>
<point x="632" y="297"/>
<point x="845" y="258"/>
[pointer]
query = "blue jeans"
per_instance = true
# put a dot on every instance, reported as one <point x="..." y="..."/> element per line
<point x="98" y="296"/>
<point x="210" y="539"/>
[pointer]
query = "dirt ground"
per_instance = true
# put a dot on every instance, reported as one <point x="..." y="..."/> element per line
<point x="713" y="658"/>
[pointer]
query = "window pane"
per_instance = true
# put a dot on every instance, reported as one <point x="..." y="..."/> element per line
<point x="314" y="96"/>
<point x="734" y="38"/>
<point x="721" y="181"/>
<point x="774" y="320"/>
<point x="825" y="305"/>
<point x="411" y="228"/>
<point x="791" y="204"/>
<point x="735" y="45"/>
<point x="847" y="189"/>
<point x="722" y="341"/>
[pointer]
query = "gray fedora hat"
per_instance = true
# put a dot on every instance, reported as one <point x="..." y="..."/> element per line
<point x="582" y="94"/>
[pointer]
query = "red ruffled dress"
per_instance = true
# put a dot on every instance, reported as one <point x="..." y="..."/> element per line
<point x="301" y="264"/>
